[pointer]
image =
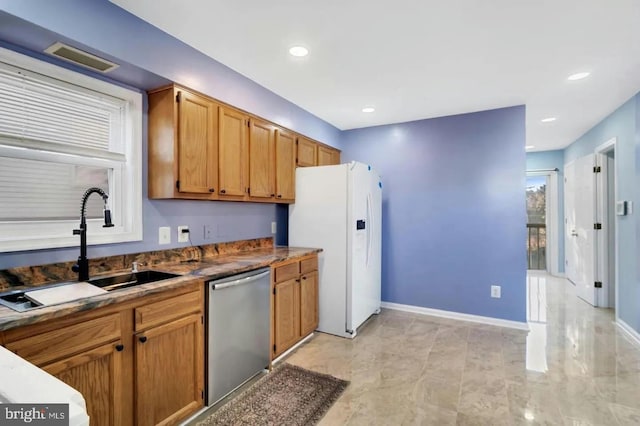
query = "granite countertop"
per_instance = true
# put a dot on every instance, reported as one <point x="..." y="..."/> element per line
<point x="212" y="267"/>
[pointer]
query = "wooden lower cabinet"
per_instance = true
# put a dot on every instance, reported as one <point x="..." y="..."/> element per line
<point x="97" y="375"/>
<point x="286" y="312"/>
<point x="139" y="362"/>
<point x="294" y="303"/>
<point x="308" y="303"/>
<point x="175" y="349"/>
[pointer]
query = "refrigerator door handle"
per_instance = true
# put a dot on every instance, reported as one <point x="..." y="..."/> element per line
<point x="370" y="219"/>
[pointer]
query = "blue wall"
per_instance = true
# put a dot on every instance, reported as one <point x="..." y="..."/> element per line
<point x="453" y="210"/>
<point x="553" y="160"/>
<point x="623" y="125"/>
<point x="150" y="56"/>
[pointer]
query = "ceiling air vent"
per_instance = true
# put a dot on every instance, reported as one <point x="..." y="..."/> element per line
<point x="80" y="57"/>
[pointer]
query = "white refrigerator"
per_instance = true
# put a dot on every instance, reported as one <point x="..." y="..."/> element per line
<point x="339" y="209"/>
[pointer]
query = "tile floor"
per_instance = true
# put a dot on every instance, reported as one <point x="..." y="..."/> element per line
<point x="574" y="367"/>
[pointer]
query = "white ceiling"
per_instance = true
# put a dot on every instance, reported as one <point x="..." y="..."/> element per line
<point x="415" y="59"/>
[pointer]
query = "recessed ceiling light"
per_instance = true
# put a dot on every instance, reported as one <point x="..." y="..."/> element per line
<point x="299" y="51"/>
<point x="368" y="109"/>
<point x="529" y="147"/>
<point x="548" y="119"/>
<point x="579" y="76"/>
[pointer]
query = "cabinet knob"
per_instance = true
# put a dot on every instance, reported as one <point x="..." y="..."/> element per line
<point x="298" y="280"/>
<point x="119" y="347"/>
<point x="279" y="195"/>
<point x="142" y="339"/>
<point x="212" y="190"/>
<point x="273" y="195"/>
<point x="304" y="278"/>
<point x="222" y="191"/>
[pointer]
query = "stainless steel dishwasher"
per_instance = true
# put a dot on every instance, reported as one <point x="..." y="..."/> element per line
<point x="238" y="330"/>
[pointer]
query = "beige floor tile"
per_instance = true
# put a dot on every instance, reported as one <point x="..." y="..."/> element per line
<point x="626" y="416"/>
<point x="411" y="369"/>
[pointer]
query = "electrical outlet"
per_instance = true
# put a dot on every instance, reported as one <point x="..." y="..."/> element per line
<point x="495" y="291"/>
<point x="164" y="235"/>
<point x="183" y="234"/>
<point x="274" y="227"/>
<point x="208" y="232"/>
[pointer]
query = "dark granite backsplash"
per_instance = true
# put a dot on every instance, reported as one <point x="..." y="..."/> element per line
<point x="33" y="276"/>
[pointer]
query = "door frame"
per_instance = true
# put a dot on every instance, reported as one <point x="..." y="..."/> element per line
<point x="551" y="221"/>
<point x="602" y="238"/>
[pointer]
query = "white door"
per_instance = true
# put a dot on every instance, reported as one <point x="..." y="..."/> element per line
<point x="582" y="232"/>
<point x="570" y="240"/>
<point x="363" y="292"/>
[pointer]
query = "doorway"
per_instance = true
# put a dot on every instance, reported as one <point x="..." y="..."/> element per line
<point x="590" y="224"/>
<point x="606" y="247"/>
<point x="537" y="222"/>
<point x="542" y="220"/>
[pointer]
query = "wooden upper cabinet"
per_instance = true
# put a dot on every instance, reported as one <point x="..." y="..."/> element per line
<point x="307" y="152"/>
<point x="182" y="148"/>
<point x="203" y="149"/>
<point x="232" y="126"/>
<point x="328" y="156"/>
<point x="261" y="159"/>
<point x="197" y="147"/>
<point x="285" y="165"/>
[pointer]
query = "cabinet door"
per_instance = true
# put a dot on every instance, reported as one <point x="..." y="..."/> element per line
<point x="307" y="153"/>
<point x="197" y="150"/>
<point x="261" y="167"/>
<point x="169" y="371"/>
<point x="97" y="375"/>
<point x="308" y="303"/>
<point x="326" y="156"/>
<point x="335" y="158"/>
<point x="285" y="165"/>
<point x="287" y="315"/>
<point x="232" y="126"/>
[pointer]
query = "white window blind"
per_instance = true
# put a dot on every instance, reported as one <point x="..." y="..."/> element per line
<point x="60" y="133"/>
<point x="58" y="116"/>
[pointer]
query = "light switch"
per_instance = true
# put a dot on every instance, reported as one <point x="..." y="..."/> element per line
<point x="164" y="235"/>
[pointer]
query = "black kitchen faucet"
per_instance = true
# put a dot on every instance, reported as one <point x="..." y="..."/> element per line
<point x="82" y="267"/>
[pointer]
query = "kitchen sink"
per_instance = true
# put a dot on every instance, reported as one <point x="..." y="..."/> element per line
<point x="130" y="279"/>
<point x="18" y="301"/>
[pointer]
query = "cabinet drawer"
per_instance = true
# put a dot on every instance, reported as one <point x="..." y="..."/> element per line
<point x="50" y="346"/>
<point x="166" y="310"/>
<point x="309" y="265"/>
<point x="287" y="272"/>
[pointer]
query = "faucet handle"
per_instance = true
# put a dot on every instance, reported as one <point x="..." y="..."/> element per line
<point x="75" y="267"/>
<point x="134" y="266"/>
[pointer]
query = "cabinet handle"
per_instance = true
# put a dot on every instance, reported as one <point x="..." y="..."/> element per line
<point x="212" y="190"/>
<point x="119" y="347"/>
<point x="222" y="191"/>
<point x="142" y="339"/>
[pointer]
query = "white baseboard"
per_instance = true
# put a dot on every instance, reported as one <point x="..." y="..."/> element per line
<point x="560" y="275"/>
<point x="457" y="316"/>
<point x="630" y="332"/>
<point x="284" y="354"/>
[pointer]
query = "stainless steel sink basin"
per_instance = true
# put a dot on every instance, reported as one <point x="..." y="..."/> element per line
<point x="130" y="279"/>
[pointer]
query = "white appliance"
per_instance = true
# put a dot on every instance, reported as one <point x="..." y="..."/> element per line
<point x="339" y="209"/>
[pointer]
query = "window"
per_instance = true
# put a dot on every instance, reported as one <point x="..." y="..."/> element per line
<point x="62" y="132"/>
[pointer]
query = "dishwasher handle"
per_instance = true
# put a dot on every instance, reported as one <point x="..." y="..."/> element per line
<point x="240" y="281"/>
